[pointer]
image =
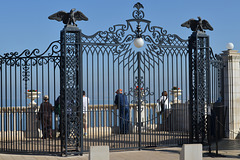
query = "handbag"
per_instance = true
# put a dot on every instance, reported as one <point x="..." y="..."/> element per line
<point x="158" y="107"/>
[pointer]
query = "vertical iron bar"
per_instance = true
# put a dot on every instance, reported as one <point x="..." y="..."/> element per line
<point x="49" y="95"/>
<point x="2" y="114"/>
<point x="6" y="84"/>
<point x="16" y="108"/>
<point x="216" y="134"/>
<point x="187" y="79"/>
<point x="104" y="124"/>
<point x="93" y="103"/>
<point x="80" y="78"/>
<point x="88" y="112"/>
<point x="31" y="108"/>
<point x="124" y="115"/>
<point x="21" y="105"/>
<point x="43" y="92"/>
<point x="114" y="142"/>
<point x="109" y="107"/>
<point x="168" y="83"/>
<point x="37" y="102"/>
<point x="11" y="109"/>
<point x="191" y="71"/>
<point x="139" y="99"/>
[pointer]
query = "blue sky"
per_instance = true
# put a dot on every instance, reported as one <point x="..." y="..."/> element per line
<point x="25" y="24"/>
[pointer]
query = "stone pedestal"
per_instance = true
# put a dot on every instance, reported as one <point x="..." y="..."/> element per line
<point x="231" y="59"/>
<point x="180" y="117"/>
<point x="99" y="153"/>
<point x="191" y="151"/>
<point x="33" y="124"/>
<point x="143" y="119"/>
<point x="33" y="129"/>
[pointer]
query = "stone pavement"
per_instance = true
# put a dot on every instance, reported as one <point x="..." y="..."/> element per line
<point x="154" y="154"/>
<point x="229" y="148"/>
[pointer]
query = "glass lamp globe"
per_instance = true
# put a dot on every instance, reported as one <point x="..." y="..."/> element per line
<point x="138" y="42"/>
<point x="230" y="46"/>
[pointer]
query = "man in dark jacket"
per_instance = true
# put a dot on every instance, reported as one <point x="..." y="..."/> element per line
<point x="45" y="115"/>
<point x="123" y="106"/>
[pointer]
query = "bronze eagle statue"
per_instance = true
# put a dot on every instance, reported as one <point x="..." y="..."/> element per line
<point x="68" y="18"/>
<point x="197" y="25"/>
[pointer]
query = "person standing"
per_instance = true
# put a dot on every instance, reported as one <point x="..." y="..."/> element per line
<point x="123" y="106"/>
<point x="57" y="110"/>
<point x="165" y="110"/>
<point x="86" y="102"/>
<point x="45" y="116"/>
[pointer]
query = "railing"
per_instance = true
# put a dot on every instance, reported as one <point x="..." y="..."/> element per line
<point x="102" y="116"/>
<point x="22" y="121"/>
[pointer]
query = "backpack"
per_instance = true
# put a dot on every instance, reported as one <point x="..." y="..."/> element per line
<point x="162" y="104"/>
<point x="57" y="106"/>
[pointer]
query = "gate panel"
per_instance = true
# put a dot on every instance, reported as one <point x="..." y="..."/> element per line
<point x="29" y="74"/>
<point x="111" y="62"/>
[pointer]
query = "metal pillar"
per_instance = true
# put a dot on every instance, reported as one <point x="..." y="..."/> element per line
<point x="71" y="91"/>
<point x="199" y="89"/>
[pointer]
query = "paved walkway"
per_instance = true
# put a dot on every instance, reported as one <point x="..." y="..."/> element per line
<point x="229" y="148"/>
<point x="156" y="154"/>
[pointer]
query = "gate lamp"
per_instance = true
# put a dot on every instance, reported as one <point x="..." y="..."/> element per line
<point x="138" y="42"/>
<point x="230" y="46"/>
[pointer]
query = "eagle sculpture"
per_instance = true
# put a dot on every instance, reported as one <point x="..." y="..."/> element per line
<point x="197" y="25"/>
<point x="68" y="18"/>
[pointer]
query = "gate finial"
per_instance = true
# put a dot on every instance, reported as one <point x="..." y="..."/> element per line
<point x="138" y="14"/>
<point x="68" y="18"/>
<point x="197" y="25"/>
<point x="138" y="5"/>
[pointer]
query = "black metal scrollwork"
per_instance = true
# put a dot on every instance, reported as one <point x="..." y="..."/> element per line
<point x="120" y="39"/>
<point x="144" y="92"/>
<point x="138" y="14"/>
<point x="53" y="49"/>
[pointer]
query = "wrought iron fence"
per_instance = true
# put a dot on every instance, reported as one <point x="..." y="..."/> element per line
<point x="101" y="64"/>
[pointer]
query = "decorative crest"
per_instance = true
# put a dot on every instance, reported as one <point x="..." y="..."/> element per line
<point x="197" y="25"/>
<point x="138" y="14"/>
<point x="138" y="6"/>
<point x="68" y="18"/>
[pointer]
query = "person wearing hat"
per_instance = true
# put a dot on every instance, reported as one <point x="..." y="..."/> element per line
<point x="123" y="106"/>
<point x="45" y="116"/>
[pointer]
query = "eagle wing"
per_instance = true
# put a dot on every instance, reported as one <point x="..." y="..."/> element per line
<point x="80" y="16"/>
<point x="59" y="16"/>
<point x="206" y="25"/>
<point x="191" y="23"/>
<point x="187" y="23"/>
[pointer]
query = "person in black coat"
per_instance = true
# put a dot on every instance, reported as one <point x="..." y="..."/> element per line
<point x="123" y="106"/>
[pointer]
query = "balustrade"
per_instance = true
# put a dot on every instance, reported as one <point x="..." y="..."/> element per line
<point x="101" y="120"/>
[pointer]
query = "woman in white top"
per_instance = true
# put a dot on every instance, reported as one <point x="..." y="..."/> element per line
<point x="165" y="110"/>
<point x="164" y="100"/>
<point x="85" y="109"/>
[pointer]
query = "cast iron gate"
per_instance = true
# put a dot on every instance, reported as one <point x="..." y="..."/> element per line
<point x="25" y="78"/>
<point x="100" y="64"/>
<point x="110" y="62"/>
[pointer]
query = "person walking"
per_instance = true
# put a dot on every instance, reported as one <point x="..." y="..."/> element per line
<point x="86" y="102"/>
<point x="165" y="110"/>
<point x="123" y="106"/>
<point x="45" y="116"/>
